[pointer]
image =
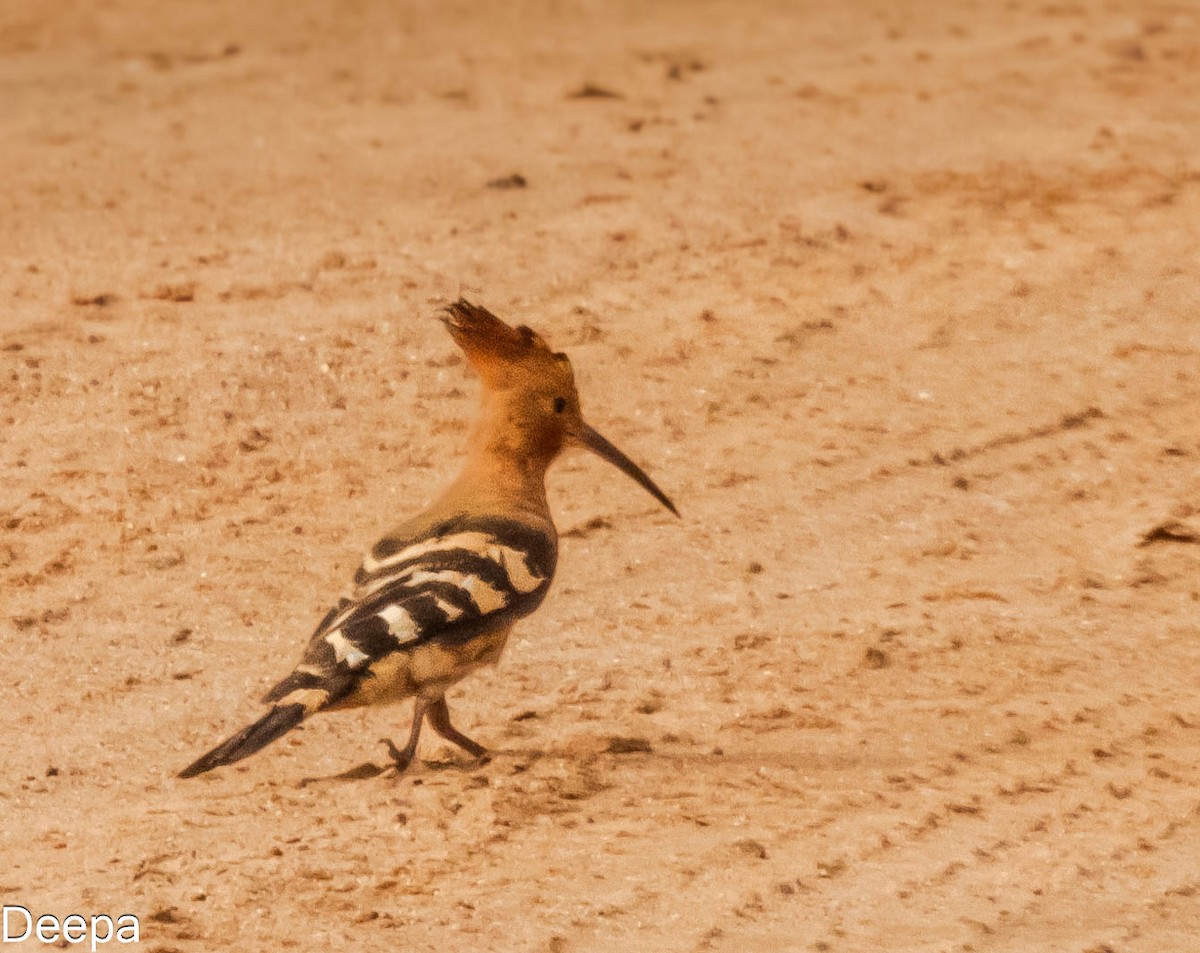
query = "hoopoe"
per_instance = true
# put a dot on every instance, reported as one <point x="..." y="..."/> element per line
<point x="437" y="597"/>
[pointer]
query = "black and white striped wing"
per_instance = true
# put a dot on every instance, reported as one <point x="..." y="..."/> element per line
<point x="465" y="578"/>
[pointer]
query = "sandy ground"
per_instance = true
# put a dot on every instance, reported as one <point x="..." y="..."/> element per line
<point x="899" y="304"/>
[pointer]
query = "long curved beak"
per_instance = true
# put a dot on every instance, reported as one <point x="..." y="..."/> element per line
<point x="591" y="438"/>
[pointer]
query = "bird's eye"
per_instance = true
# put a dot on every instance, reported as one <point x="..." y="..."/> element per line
<point x="560" y="404"/>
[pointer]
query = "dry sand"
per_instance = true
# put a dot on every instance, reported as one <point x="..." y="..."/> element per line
<point x="898" y="301"/>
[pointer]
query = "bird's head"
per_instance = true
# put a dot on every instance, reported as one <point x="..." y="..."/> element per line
<point x="531" y="405"/>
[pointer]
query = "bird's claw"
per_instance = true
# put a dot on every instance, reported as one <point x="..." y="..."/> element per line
<point x="400" y="759"/>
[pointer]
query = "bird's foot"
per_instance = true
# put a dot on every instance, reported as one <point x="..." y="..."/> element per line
<point x="400" y="759"/>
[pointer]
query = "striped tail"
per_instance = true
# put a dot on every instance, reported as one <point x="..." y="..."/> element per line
<point x="274" y="724"/>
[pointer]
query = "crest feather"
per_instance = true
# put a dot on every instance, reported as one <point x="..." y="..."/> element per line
<point x="477" y="331"/>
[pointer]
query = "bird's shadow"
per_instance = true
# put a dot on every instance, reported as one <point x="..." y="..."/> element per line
<point x="361" y="772"/>
<point x="369" y="769"/>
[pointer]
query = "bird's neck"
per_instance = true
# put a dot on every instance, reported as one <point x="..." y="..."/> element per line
<point x="505" y="477"/>
<point x="501" y="474"/>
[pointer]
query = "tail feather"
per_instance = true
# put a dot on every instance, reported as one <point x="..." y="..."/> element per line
<point x="274" y="724"/>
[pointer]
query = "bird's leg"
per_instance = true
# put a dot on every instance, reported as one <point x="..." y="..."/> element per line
<point x="403" y="759"/>
<point x="439" y="718"/>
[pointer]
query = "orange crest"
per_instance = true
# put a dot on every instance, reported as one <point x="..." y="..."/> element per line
<point x="497" y="351"/>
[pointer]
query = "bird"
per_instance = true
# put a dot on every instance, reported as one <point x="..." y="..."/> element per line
<point x="437" y="597"/>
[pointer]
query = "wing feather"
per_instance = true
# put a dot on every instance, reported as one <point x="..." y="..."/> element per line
<point x="450" y="585"/>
